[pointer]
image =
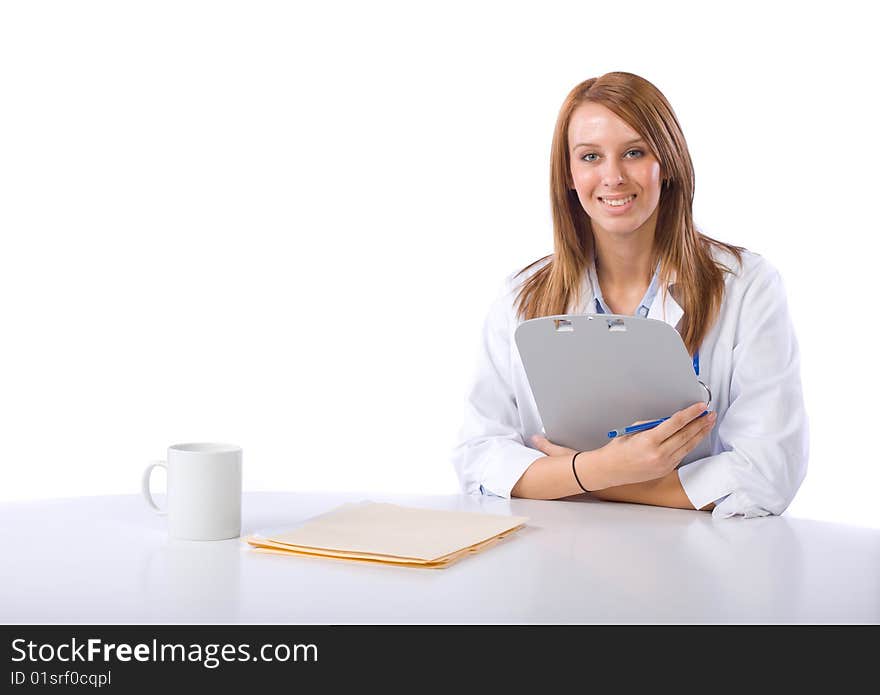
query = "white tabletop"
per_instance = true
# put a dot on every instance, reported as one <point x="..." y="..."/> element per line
<point x="96" y="560"/>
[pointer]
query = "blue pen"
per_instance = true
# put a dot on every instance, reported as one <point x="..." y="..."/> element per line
<point x="632" y="429"/>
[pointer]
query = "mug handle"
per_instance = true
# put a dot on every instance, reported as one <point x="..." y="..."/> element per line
<point x="145" y="486"/>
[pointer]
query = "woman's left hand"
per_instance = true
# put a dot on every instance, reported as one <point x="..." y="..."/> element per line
<point x="547" y="447"/>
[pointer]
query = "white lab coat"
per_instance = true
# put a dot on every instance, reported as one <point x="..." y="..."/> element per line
<point x="756" y="456"/>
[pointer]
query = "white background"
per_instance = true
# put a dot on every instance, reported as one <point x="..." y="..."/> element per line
<point x="281" y="224"/>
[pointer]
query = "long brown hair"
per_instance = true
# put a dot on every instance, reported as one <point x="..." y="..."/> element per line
<point x="684" y="253"/>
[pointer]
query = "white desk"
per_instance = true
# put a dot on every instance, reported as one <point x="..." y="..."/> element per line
<point x="98" y="560"/>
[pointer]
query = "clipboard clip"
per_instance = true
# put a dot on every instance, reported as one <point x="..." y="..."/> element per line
<point x="708" y="390"/>
<point x="563" y="326"/>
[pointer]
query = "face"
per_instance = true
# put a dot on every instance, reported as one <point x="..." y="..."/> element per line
<point x="616" y="177"/>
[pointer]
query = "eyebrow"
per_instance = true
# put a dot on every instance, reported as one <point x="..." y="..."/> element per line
<point x="590" y="144"/>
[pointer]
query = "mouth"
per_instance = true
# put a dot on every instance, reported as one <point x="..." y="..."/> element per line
<point x="618" y="203"/>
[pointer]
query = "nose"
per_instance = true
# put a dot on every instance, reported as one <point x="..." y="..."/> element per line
<point x="613" y="174"/>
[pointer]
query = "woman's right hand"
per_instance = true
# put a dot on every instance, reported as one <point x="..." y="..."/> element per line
<point x="652" y="454"/>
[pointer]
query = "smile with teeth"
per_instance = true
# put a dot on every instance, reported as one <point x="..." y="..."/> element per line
<point x="617" y="203"/>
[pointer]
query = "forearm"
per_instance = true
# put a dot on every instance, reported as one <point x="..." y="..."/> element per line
<point x="551" y="477"/>
<point x="662" y="492"/>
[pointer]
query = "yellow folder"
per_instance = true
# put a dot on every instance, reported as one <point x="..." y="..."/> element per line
<point x="391" y="534"/>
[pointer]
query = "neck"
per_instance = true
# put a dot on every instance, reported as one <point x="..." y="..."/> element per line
<point x="624" y="263"/>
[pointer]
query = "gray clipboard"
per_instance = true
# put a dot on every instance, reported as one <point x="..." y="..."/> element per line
<point x="592" y="373"/>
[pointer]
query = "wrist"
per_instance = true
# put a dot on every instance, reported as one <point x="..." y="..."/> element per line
<point x="591" y="470"/>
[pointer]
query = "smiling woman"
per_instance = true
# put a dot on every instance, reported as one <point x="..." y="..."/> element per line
<point x="622" y="189"/>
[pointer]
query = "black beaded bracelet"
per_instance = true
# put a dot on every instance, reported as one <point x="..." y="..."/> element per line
<point x="575" y="472"/>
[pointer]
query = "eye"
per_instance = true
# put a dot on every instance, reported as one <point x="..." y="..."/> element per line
<point x="638" y="152"/>
<point x="589" y="154"/>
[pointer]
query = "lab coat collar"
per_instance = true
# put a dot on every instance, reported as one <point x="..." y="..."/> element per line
<point x="664" y="307"/>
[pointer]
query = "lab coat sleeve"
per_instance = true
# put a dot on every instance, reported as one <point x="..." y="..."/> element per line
<point x="490" y="455"/>
<point x="763" y="434"/>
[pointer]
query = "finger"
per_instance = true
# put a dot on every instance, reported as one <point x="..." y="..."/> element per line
<point x="683" y="442"/>
<point x="666" y="429"/>
<point x="679" y="455"/>
<point x="546" y="446"/>
<point x="680" y="438"/>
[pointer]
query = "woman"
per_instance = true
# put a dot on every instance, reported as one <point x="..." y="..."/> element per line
<point x="622" y="187"/>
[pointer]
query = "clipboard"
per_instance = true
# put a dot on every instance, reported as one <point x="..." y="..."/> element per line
<point x="593" y="373"/>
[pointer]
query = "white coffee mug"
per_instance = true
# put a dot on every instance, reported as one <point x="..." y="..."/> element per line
<point x="204" y="491"/>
